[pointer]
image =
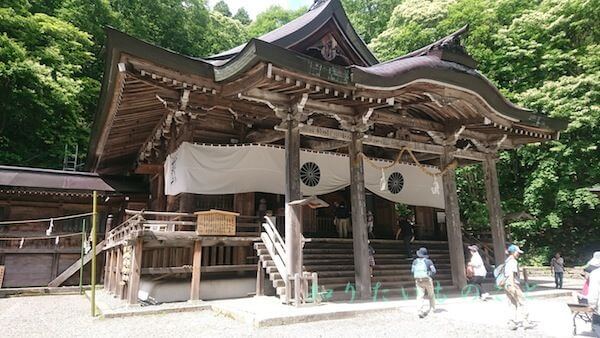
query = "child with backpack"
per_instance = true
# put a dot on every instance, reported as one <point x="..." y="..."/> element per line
<point x="423" y="270"/>
<point x="507" y="277"/>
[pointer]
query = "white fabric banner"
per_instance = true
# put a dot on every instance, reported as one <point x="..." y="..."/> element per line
<point x="214" y="169"/>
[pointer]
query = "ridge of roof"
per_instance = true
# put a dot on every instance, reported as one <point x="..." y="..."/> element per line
<point x="450" y="43"/>
<point x="300" y="28"/>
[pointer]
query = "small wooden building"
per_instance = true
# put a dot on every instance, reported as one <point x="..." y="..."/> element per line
<point x="28" y="255"/>
<point x="309" y="88"/>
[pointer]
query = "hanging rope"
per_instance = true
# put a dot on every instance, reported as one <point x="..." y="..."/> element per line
<point x="38" y="237"/>
<point x="41" y="220"/>
<point x="450" y="166"/>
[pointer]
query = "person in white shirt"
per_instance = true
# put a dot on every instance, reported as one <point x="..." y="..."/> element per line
<point x="477" y="270"/>
<point x="594" y="299"/>
<point x="513" y="291"/>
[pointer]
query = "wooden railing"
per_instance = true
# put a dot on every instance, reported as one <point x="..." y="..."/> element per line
<point x="247" y="226"/>
<point x="298" y="282"/>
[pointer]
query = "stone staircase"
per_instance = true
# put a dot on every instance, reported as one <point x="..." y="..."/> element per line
<point x="332" y="259"/>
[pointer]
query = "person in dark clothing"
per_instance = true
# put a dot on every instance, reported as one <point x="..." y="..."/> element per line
<point x="406" y="231"/>
<point x="343" y="220"/>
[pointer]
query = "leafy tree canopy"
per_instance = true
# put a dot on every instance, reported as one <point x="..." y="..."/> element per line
<point x="242" y="16"/>
<point x="272" y="18"/>
<point x="223" y="8"/>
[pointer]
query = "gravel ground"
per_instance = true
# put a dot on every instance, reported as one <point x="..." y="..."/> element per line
<point x="68" y="316"/>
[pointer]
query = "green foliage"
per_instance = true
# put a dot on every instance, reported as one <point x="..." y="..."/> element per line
<point x="223" y="8"/>
<point x="242" y="16"/>
<point x="226" y="33"/>
<point x="369" y="17"/>
<point x="272" y="18"/>
<point x="43" y="93"/>
<point x="174" y="24"/>
<point x="403" y="210"/>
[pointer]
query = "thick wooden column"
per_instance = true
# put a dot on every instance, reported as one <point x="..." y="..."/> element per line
<point x="135" y="273"/>
<point x="453" y="224"/>
<point x="293" y="214"/>
<point x="492" y="193"/>
<point x="360" y="240"/>
<point x="196" y="269"/>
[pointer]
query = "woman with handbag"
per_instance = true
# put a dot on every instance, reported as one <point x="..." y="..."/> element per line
<point x="476" y="271"/>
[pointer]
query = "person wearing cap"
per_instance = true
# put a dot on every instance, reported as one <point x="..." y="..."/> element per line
<point x="513" y="291"/>
<point x="423" y="270"/>
<point x="557" y="265"/>
<point x="478" y="271"/>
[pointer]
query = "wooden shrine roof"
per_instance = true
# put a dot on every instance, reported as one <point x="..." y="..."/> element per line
<point x="321" y="14"/>
<point x="420" y="97"/>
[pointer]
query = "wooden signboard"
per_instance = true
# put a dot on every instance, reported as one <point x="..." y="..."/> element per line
<point x="1" y="274"/>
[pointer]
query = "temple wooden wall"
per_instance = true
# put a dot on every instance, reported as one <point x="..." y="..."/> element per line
<point x="38" y="262"/>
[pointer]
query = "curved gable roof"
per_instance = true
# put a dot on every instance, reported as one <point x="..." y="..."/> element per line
<point x="304" y="26"/>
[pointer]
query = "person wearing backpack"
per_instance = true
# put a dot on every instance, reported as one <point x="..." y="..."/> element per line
<point x="423" y="270"/>
<point x="510" y="281"/>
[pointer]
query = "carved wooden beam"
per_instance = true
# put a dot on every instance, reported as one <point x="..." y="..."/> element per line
<point x="384" y="142"/>
<point x="324" y="145"/>
<point x="264" y="136"/>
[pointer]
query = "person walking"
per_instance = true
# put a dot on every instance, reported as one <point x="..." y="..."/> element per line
<point x="343" y="220"/>
<point x="512" y="288"/>
<point x="406" y="230"/>
<point x="371" y="259"/>
<point x="478" y="270"/>
<point x="557" y="265"/>
<point x="370" y="221"/>
<point x="423" y="271"/>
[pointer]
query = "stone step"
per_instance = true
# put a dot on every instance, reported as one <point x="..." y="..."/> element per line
<point x="382" y="279"/>
<point x="407" y="285"/>
<point x="378" y="261"/>
<point x="398" y="251"/>
<point x="351" y="255"/>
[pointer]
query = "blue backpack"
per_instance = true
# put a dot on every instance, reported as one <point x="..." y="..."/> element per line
<point x="421" y="268"/>
<point x="499" y="275"/>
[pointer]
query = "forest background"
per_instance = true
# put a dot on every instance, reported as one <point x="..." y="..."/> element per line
<point x="543" y="55"/>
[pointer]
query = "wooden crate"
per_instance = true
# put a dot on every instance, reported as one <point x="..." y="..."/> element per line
<point x="216" y="223"/>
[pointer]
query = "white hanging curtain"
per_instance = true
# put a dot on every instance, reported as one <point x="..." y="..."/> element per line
<point x="214" y="169"/>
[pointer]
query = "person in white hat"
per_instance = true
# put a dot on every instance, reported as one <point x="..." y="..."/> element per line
<point x="513" y="291"/>
<point x="593" y="296"/>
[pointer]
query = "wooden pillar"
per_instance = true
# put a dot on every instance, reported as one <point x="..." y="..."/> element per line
<point x="260" y="279"/>
<point x="360" y="240"/>
<point x="118" y="279"/>
<point x="107" y="270"/>
<point x="293" y="214"/>
<point x="492" y="193"/>
<point x="453" y="224"/>
<point x="109" y="277"/>
<point x="134" y="274"/>
<point x="196" y="270"/>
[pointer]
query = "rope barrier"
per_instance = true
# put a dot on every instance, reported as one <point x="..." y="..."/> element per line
<point x="450" y="166"/>
<point x="41" y="220"/>
<point x="39" y="237"/>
